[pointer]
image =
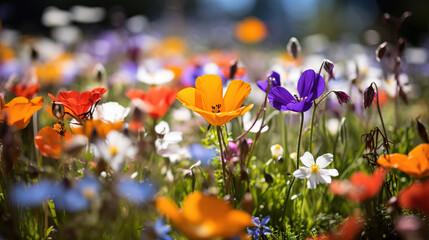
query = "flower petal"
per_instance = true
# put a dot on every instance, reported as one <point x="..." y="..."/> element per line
<point x="279" y="98"/>
<point x="307" y="159"/>
<point x="329" y="172"/>
<point x="324" y="160"/>
<point x="323" y="178"/>
<point x="235" y="95"/>
<point x="312" y="182"/>
<point x="211" y="91"/>
<point x="310" y="85"/>
<point x="302" y="172"/>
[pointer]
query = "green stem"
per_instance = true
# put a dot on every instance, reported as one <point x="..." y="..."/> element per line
<point x="297" y="166"/>
<point x="222" y="159"/>
<point x="310" y="146"/>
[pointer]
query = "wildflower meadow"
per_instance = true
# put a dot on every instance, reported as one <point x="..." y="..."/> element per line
<point x="116" y="126"/>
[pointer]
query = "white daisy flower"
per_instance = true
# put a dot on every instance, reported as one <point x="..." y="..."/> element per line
<point x="114" y="149"/>
<point x="315" y="172"/>
<point x="167" y="144"/>
<point x="276" y="151"/>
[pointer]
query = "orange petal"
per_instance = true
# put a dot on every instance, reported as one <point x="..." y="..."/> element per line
<point x="235" y="222"/>
<point x="211" y="91"/>
<point x="235" y="95"/>
<point x="392" y="160"/>
<point x="191" y="96"/>
<point x="169" y="209"/>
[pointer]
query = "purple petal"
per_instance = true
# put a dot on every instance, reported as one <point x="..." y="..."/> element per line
<point x="279" y="97"/>
<point x="265" y="220"/>
<point x="310" y="85"/>
<point x="302" y="106"/>
<point x="262" y="85"/>
<point x="274" y="75"/>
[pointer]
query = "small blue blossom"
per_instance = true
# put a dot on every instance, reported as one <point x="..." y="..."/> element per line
<point x="78" y="197"/>
<point x="135" y="192"/>
<point x="162" y="230"/>
<point x="259" y="227"/>
<point x="34" y="194"/>
<point x="198" y="152"/>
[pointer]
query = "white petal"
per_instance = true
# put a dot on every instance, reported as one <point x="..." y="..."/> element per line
<point x="323" y="178"/>
<point x="162" y="128"/>
<point x="329" y="172"/>
<point x="324" y="160"/>
<point x="307" y="159"/>
<point x="302" y="173"/>
<point x="312" y="182"/>
<point x="173" y="137"/>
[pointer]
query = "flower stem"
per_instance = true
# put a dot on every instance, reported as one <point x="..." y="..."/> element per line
<point x="310" y="146"/>
<point x="222" y="159"/>
<point x="297" y="166"/>
<point x="381" y="116"/>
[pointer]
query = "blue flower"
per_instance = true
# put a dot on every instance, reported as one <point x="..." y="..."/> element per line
<point x="259" y="227"/>
<point x="162" y="230"/>
<point x="310" y="86"/>
<point x="135" y="192"/>
<point x="33" y="195"/>
<point x="198" y="152"/>
<point x="274" y="77"/>
<point x="78" y="197"/>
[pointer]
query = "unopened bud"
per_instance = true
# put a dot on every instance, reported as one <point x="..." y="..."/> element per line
<point x="342" y="97"/>
<point x="244" y="147"/>
<point x="34" y="54"/>
<point x="421" y="130"/>
<point x="380" y="52"/>
<point x="386" y="18"/>
<point x="58" y="110"/>
<point x="406" y="15"/>
<point x="99" y="72"/>
<point x="247" y="203"/>
<point x="293" y="47"/>
<point x="233" y="69"/>
<point x="268" y="178"/>
<point x="368" y="96"/>
<point x="329" y="67"/>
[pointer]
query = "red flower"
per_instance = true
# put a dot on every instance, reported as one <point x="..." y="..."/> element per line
<point x="50" y="143"/>
<point x="361" y="186"/>
<point x="156" y="101"/>
<point x="79" y="103"/>
<point x="415" y="197"/>
<point x="23" y="90"/>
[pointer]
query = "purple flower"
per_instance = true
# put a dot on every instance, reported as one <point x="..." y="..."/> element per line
<point x="275" y="81"/>
<point x="310" y="86"/>
<point x="259" y="227"/>
<point x="342" y="97"/>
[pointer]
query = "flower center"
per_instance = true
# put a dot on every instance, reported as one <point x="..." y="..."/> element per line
<point x="113" y="150"/>
<point x="314" y="168"/>
<point x="300" y="99"/>
<point x="88" y="193"/>
<point x="216" y="108"/>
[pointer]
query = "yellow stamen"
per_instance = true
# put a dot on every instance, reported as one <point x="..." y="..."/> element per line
<point x="314" y="168"/>
<point x="88" y="193"/>
<point x="113" y="150"/>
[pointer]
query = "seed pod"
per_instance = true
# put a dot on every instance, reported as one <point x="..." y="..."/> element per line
<point x="293" y="47"/>
<point x="233" y="69"/>
<point x="268" y="178"/>
<point x="58" y="110"/>
<point x="99" y="72"/>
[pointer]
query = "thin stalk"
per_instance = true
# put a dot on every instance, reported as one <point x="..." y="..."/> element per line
<point x="310" y="147"/>
<point x="297" y="166"/>
<point x="222" y="159"/>
<point x="381" y="116"/>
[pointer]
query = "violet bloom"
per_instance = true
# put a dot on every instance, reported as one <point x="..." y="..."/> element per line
<point x="275" y="81"/>
<point x="310" y="86"/>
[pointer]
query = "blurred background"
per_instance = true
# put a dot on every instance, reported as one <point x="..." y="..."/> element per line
<point x="336" y="19"/>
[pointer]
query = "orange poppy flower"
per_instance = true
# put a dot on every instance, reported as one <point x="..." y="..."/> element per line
<point x="415" y="197"/>
<point x="19" y="111"/>
<point x="251" y="30"/>
<point x="50" y="143"/>
<point x="23" y="90"/>
<point x="79" y="103"/>
<point x="361" y="186"/>
<point x="206" y="99"/>
<point x="346" y="230"/>
<point x="101" y="128"/>
<point x="156" y="101"/>
<point x="205" y="217"/>
<point x="416" y="164"/>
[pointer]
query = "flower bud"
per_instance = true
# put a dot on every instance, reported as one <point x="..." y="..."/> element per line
<point x="99" y="72"/>
<point x="401" y="45"/>
<point x="247" y="203"/>
<point x="380" y="52"/>
<point x="58" y="110"/>
<point x="293" y="47"/>
<point x="329" y="67"/>
<point x="342" y="97"/>
<point x="268" y="178"/>
<point x="233" y="69"/>
<point x="368" y="96"/>
<point x="421" y="130"/>
<point x="276" y="151"/>
<point x="406" y="15"/>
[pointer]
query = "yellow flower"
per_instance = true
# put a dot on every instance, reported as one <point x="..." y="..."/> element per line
<point x="19" y="110"/>
<point x="206" y="99"/>
<point x="205" y="217"/>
